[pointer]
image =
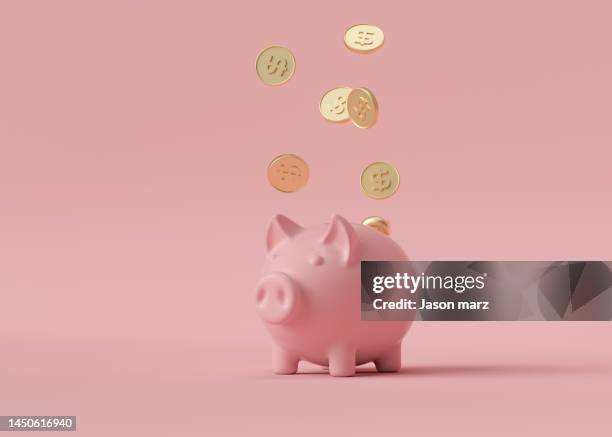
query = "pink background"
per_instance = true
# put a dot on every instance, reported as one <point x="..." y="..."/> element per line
<point x="134" y="140"/>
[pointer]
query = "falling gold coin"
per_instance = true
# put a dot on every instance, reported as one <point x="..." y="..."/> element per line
<point x="333" y="105"/>
<point x="288" y="173"/>
<point x="378" y="223"/>
<point x="364" y="38"/>
<point x="380" y="180"/>
<point x="362" y="107"/>
<point x="275" y="65"/>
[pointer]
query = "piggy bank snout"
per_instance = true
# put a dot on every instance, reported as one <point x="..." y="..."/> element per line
<point x="276" y="298"/>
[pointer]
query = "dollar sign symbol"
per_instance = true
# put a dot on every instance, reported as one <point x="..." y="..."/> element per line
<point x="292" y="171"/>
<point x="278" y="65"/>
<point x="339" y="107"/>
<point x="365" y="38"/>
<point x="362" y="107"/>
<point x="381" y="180"/>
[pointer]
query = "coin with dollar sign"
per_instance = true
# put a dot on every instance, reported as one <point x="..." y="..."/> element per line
<point x="333" y="105"/>
<point x="378" y="223"/>
<point x="288" y="173"/>
<point x="275" y="65"/>
<point x="364" y="38"/>
<point x="362" y="108"/>
<point x="380" y="180"/>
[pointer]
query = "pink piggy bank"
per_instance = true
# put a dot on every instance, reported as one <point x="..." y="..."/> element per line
<point x="309" y="297"/>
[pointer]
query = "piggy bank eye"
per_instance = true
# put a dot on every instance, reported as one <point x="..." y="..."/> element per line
<point x="316" y="260"/>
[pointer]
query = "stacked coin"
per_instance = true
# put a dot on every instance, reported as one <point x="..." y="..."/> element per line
<point x="334" y="105"/>
<point x="343" y="104"/>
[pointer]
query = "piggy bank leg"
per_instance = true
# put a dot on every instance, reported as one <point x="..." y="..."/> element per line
<point x="342" y="361"/>
<point x="390" y="361"/>
<point x="283" y="362"/>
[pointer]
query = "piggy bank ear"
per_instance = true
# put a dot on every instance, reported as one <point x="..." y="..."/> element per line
<point x="280" y="229"/>
<point x="342" y="236"/>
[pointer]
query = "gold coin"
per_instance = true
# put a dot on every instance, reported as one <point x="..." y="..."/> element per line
<point x="333" y="105"/>
<point x="378" y="223"/>
<point x="362" y="107"/>
<point x="275" y="65"/>
<point x="380" y="180"/>
<point x="364" y="38"/>
<point x="288" y="173"/>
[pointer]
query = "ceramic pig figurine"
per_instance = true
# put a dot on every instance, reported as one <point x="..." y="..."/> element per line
<point x="310" y="297"/>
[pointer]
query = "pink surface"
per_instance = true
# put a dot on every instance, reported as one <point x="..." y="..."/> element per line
<point x="134" y="140"/>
